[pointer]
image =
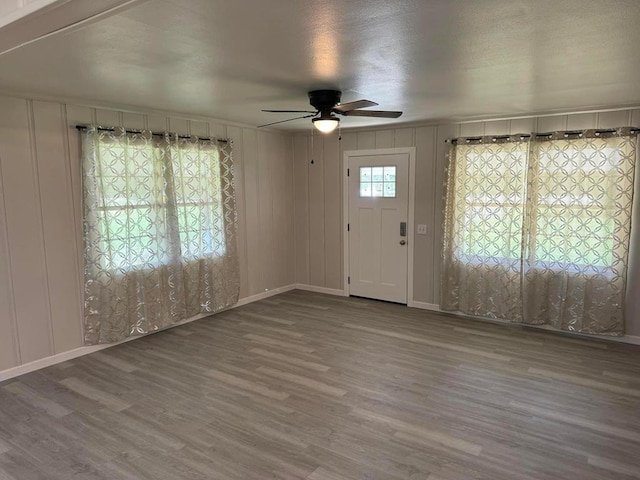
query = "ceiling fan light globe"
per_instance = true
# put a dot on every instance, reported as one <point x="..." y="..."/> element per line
<point x="325" y="125"/>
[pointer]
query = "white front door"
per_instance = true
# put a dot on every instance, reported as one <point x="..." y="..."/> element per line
<point x="378" y="187"/>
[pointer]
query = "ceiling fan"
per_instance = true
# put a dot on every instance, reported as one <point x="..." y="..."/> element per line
<point x="327" y="105"/>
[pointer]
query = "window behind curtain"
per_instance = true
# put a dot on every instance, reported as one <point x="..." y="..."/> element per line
<point x="490" y="188"/>
<point x="538" y="231"/>
<point x="159" y="231"/>
<point x="573" y="195"/>
<point x="571" y="199"/>
<point x="196" y="172"/>
<point x="133" y="202"/>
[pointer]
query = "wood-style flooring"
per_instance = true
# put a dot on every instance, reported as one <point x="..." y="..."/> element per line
<point x="315" y="387"/>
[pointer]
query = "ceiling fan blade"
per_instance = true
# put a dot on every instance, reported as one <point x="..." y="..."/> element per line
<point x="372" y="113"/>
<point x="289" y="111"/>
<point x="345" y="107"/>
<point x="288" y="120"/>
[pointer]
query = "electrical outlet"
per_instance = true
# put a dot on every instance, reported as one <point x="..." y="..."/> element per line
<point x="422" y="229"/>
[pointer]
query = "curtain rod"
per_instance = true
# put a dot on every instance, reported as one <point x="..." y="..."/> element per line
<point x="157" y="134"/>
<point x="632" y="131"/>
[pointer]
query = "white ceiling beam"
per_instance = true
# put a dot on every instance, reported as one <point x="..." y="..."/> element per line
<point x="13" y="10"/>
<point x="25" y="22"/>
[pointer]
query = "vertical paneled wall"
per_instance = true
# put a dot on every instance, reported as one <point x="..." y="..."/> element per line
<point x="318" y="195"/>
<point x="40" y="217"/>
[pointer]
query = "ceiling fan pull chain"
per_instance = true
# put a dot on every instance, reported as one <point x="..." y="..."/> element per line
<point x="312" y="129"/>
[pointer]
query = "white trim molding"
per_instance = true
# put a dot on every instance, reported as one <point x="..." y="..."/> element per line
<point x="79" y="352"/>
<point x="411" y="151"/>
<point x="54" y="359"/>
<point x="424" y="306"/>
<point x="263" y="295"/>
<point x="435" y="308"/>
<point x="345" y="222"/>
<point x="325" y="290"/>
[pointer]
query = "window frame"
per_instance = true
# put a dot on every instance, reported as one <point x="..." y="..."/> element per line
<point x="109" y="262"/>
<point x="529" y="247"/>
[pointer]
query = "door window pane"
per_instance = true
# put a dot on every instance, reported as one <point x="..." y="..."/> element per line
<point x="389" y="189"/>
<point x="378" y="181"/>
<point x="389" y="174"/>
<point x="377" y="174"/>
<point x="365" y="189"/>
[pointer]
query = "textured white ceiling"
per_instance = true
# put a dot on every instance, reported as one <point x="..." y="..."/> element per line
<point x="433" y="59"/>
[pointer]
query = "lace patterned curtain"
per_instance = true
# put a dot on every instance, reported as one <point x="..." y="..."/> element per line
<point x="485" y="196"/>
<point x="159" y="231"/>
<point x="578" y="224"/>
<point x="538" y="231"/>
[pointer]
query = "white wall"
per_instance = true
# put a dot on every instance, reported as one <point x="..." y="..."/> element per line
<point x="289" y="212"/>
<point x="40" y="217"/>
<point x="11" y="8"/>
<point x="318" y="196"/>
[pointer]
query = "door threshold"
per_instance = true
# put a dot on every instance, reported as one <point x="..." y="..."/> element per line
<point x="379" y="300"/>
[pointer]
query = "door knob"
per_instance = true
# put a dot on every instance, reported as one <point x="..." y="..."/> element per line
<point x="403" y="242"/>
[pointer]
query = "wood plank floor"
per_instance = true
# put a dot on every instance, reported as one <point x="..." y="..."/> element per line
<point x="309" y="386"/>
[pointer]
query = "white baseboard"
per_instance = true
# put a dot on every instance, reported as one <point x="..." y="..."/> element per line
<point x="265" y="294"/>
<point x="52" y="360"/>
<point x="313" y="288"/>
<point x="626" y="339"/>
<point x="424" y="306"/>
<point x="80" y="351"/>
<point x="436" y="308"/>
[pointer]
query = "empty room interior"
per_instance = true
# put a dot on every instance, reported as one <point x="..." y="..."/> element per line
<point x="319" y="239"/>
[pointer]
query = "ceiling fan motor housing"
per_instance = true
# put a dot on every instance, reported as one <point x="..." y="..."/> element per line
<point x="327" y="103"/>
<point x="324" y="100"/>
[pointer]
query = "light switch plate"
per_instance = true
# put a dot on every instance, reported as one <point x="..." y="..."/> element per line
<point x="422" y="229"/>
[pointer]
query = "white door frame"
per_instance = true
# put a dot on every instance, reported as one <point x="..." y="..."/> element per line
<point x="348" y="154"/>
